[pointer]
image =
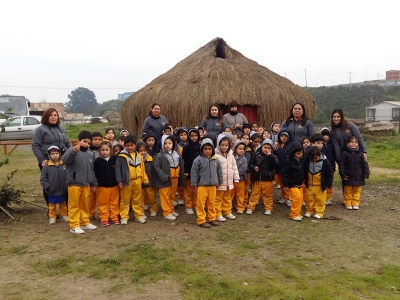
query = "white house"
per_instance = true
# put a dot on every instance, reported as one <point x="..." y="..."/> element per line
<point x="384" y="112"/>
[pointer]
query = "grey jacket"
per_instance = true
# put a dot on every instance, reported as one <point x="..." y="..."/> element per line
<point x="162" y="171"/>
<point x="54" y="179"/>
<point x="231" y="121"/>
<point x="156" y="125"/>
<point x="339" y="138"/>
<point x="80" y="170"/>
<point x="297" y="131"/>
<point x="46" y="136"/>
<point x="214" y="125"/>
<point x="206" y="171"/>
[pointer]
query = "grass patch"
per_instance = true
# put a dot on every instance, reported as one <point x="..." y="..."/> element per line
<point x="18" y="249"/>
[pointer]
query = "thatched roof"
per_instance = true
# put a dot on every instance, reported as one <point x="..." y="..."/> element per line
<point x="215" y="73"/>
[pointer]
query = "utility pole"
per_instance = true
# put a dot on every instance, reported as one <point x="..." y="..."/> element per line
<point x="350" y="78"/>
<point x="285" y="75"/>
<point x="305" y="75"/>
<point x="372" y="92"/>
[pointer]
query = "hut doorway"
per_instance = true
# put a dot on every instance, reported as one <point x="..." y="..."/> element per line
<point x="250" y="111"/>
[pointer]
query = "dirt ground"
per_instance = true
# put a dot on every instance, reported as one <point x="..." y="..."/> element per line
<point x="361" y="240"/>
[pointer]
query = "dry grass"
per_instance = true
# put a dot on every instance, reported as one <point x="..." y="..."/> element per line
<point x="186" y="91"/>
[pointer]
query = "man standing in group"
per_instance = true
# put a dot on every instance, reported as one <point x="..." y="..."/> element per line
<point x="234" y="119"/>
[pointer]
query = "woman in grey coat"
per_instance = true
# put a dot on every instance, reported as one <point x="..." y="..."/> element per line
<point x="155" y="122"/>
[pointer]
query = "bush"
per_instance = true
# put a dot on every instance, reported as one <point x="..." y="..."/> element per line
<point x="8" y="193"/>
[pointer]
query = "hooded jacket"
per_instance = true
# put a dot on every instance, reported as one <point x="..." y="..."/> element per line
<point x="266" y="164"/>
<point x="228" y="164"/>
<point x="190" y="152"/>
<point x="241" y="161"/>
<point x="79" y="168"/>
<point x="274" y="137"/>
<point x="206" y="171"/>
<point x="293" y="171"/>
<point x="353" y="165"/>
<point x="54" y="179"/>
<point x="323" y="167"/>
<point x="122" y="172"/>
<point x="329" y="150"/>
<point x="105" y="171"/>
<point x="162" y="166"/>
<point x="283" y="152"/>
<point x="154" y="150"/>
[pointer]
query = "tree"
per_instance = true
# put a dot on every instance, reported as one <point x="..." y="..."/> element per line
<point x="81" y="100"/>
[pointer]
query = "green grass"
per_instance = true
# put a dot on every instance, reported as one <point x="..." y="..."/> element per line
<point x="18" y="249"/>
<point x="383" y="152"/>
<point x="73" y="130"/>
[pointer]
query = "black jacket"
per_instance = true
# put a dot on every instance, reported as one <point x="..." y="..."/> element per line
<point x="105" y="171"/>
<point x="353" y="165"/>
<point x="189" y="152"/>
<point x="293" y="172"/>
<point x="266" y="165"/>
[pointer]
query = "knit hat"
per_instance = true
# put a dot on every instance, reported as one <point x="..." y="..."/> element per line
<point x="254" y="135"/>
<point x="53" y="148"/>
<point x="284" y="132"/>
<point x="294" y="147"/>
<point x="84" y="135"/>
<point x="267" y="142"/>
<point x="237" y="143"/>
<point x="148" y="133"/>
<point x="123" y="130"/>
<point x="325" y="131"/>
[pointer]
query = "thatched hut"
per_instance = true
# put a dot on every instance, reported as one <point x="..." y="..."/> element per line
<point x="215" y="73"/>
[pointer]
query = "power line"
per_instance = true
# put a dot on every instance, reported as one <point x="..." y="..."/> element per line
<point x="69" y="88"/>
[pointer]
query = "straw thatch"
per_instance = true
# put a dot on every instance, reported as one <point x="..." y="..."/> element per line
<point x="215" y="73"/>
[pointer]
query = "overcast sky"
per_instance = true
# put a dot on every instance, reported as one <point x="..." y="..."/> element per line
<point x="48" y="48"/>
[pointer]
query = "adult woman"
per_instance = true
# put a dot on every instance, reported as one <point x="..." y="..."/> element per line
<point x="298" y="124"/>
<point x="214" y="121"/>
<point x="235" y="119"/>
<point x="48" y="134"/>
<point x="155" y="122"/>
<point x="341" y="131"/>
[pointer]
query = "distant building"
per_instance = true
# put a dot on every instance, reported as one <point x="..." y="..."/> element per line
<point x="384" y="112"/>
<point x="393" y="75"/>
<point x="38" y="109"/>
<point x="124" y="95"/>
<point x="112" y="116"/>
<point x="77" y="118"/>
<point x="392" y="79"/>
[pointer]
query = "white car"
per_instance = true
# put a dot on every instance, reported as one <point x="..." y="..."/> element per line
<point x="19" y="128"/>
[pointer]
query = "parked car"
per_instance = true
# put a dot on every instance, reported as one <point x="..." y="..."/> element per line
<point x="19" y="128"/>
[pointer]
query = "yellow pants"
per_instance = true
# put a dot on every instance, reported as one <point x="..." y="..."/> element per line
<point x="167" y="196"/>
<point x="265" y="189"/>
<point x="284" y="193"/>
<point x="53" y="209"/>
<point x="132" y="192"/>
<point x="329" y="191"/>
<point x="239" y="191"/>
<point x="181" y="193"/>
<point x="296" y="196"/>
<point x="315" y="200"/>
<point x="190" y="197"/>
<point x="78" y="211"/>
<point x="108" y="198"/>
<point x="223" y="203"/>
<point x="92" y="204"/>
<point x="352" y="195"/>
<point x="205" y="197"/>
<point x="149" y="198"/>
<point x="246" y="194"/>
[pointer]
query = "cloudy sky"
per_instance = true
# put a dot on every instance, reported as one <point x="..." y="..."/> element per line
<point x="48" y="48"/>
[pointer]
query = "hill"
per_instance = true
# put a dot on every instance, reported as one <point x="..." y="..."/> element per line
<point x="353" y="101"/>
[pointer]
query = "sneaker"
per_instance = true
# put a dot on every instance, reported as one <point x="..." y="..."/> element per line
<point x="170" y="217"/>
<point x="89" y="226"/>
<point x="277" y="186"/>
<point x="153" y="214"/>
<point x="77" y="230"/>
<point x="240" y="211"/>
<point x="52" y="221"/>
<point x="288" y="203"/>
<point x="355" y="207"/>
<point x="105" y="224"/>
<point x="282" y="201"/>
<point x="175" y="203"/>
<point x="230" y="217"/>
<point x="268" y="212"/>
<point x="175" y="214"/>
<point x="349" y="207"/>
<point x="189" y="211"/>
<point x="181" y="202"/>
<point x="249" y="212"/>
<point x="116" y="222"/>
<point x="221" y="219"/>
<point x="308" y="215"/>
<point x="124" y="221"/>
<point x="144" y="217"/>
<point x="65" y="218"/>
<point x="146" y="207"/>
<point x="298" y="218"/>
<point x="317" y="216"/>
<point x="141" y="220"/>
<point x="304" y="204"/>
<point x="328" y="202"/>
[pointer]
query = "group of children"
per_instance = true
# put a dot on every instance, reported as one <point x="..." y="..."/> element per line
<point x="210" y="174"/>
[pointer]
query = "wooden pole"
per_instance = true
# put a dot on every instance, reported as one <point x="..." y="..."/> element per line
<point x="34" y="204"/>
<point x="7" y="213"/>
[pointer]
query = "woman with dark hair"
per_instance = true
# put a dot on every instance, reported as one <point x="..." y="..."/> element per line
<point x="50" y="133"/>
<point x="341" y="131"/>
<point x="298" y="124"/>
<point x="235" y="119"/>
<point x="155" y="122"/>
<point x="214" y="121"/>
